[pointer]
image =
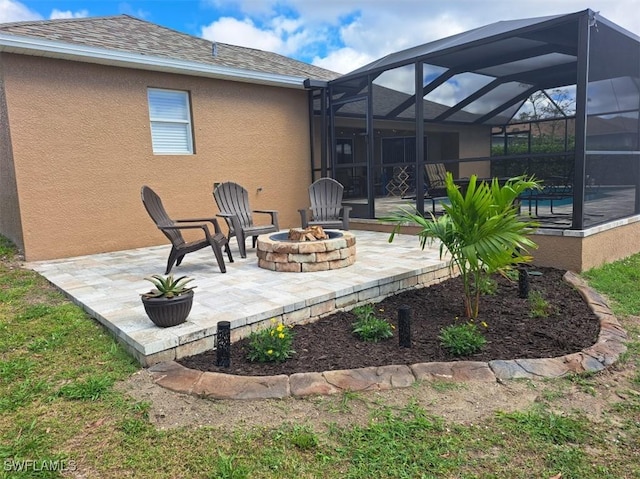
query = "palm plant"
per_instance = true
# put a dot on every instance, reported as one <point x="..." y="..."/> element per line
<point x="480" y="229"/>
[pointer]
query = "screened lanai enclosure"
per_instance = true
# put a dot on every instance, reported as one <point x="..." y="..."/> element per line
<point x="556" y="97"/>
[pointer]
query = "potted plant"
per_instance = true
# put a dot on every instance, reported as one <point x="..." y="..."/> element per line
<point x="169" y="302"/>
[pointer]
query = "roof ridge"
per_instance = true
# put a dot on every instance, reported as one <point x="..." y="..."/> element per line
<point x="135" y="35"/>
<point x="61" y="20"/>
<point x="157" y="25"/>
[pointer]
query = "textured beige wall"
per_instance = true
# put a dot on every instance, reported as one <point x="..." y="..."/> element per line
<point x="581" y="254"/>
<point x="558" y="252"/>
<point x="475" y="143"/>
<point x="9" y="209"/>
<point x="610" y="245"/>
<point x="82" y="150"/>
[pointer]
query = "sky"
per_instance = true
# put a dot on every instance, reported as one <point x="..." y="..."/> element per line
<point x="340" y="35"/>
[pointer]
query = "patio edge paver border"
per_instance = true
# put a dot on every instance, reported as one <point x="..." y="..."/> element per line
<point x="605" y="352"/>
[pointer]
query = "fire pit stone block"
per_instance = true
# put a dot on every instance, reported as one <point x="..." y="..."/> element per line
<point x="283" y="255"/>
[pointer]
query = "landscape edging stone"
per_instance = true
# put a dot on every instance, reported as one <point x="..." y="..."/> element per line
<point x="605" y="352"/>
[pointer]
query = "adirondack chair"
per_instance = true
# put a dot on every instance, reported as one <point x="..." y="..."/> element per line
<point x="233" y="203"/>
<point x="171" y="229"/>
<point x="436" y="190"/>
<point x="326" y="209"/>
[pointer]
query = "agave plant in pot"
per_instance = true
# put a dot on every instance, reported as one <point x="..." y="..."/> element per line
<point x="170" y="301"/>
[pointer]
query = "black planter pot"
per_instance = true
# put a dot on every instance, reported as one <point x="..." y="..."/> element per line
<point x="166" y="312"/>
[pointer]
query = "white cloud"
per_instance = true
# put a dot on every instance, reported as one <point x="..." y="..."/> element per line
<point x="126" y="8"/>
<point x="343" y="60"/>
<point x="280" y="35"/>
<point x="370" y="29"/>
<point x="12" y="11"/>
<point x="243" y="33"/>
<point x="56" y="14"/>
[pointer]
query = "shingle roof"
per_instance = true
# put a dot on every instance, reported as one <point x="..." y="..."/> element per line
<point x="132" y="35"/>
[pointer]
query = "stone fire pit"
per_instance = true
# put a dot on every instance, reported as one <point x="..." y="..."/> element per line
<point x="277" y="253"/>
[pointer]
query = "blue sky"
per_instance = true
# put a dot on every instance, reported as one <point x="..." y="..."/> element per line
<point x="340" y="35"/>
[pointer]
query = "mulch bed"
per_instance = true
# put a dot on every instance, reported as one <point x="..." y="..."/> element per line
<point x="512" y="333"/>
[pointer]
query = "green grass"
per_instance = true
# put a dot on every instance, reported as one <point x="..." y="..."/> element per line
<point x="59" y="402"/>
<point x="619" y="281"/>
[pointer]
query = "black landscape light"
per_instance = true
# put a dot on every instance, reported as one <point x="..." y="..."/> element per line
<point x="404" y="326"/>
<point x="223" y="344"/>
<point x="523" y="283"/>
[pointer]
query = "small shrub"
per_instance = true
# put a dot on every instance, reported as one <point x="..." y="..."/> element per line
<point x="540" y="307"/>
<point x="274" y="344"/>
<point x="369" y="328"/>
<point x="487" y="285"/>
<point x="462" y="339"/>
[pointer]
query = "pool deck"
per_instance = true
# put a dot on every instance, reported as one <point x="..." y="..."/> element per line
<point x="108" y="287"/>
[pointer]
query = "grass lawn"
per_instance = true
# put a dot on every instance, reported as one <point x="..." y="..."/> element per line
<point x="62" y="416"/>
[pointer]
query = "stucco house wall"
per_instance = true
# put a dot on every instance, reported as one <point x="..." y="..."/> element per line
<point x="588" y="249"/>
<point x="81" y="159"/>
<point x="9" y="205"/>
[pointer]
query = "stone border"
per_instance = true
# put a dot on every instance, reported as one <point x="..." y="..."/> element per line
<point x="606" y="351"/>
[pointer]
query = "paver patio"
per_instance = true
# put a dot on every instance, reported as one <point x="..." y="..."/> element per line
<point x="108" y="287"/>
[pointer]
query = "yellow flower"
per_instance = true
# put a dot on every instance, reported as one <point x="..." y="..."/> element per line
<point x="281" y="335"/>
<point x="280" y="327"/>
<point x="273" y="320"/>
<point x="270" y="351"/>
<point x="271" y="332"/>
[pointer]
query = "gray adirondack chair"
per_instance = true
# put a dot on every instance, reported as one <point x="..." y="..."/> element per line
<point x="233" y="203"/>
<point x="326" y="209"/>
<point x="171" y="229"/>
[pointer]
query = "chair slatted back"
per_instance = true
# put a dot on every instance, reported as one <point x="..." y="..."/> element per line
<point x="155" y="208"/>
<point x="325" y="195"/>
<point x="436" y="175"/>
<point x="233" y="199"/>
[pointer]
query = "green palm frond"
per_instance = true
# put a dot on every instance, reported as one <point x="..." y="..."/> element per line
<point x="480" y="229"/>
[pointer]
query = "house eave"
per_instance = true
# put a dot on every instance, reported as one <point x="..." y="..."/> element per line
<point x="23" y="45"/>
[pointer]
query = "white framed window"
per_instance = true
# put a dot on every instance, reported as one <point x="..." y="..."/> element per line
<point x="170" y="119"/>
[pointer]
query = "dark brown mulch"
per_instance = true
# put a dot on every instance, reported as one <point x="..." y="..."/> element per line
<point x="328" y="344"/>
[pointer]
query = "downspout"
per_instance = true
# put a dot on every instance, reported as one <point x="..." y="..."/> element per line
<point x="332" y="133"/>
<point x="312" y="133"/>
<point x="323" y="134"/>
<point x="314" y="86"/>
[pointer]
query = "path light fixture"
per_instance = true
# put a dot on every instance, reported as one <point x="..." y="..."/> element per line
<point x="523" y="283"/>
<point x="223" y="344"/>
<point x="404" y="326"/>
